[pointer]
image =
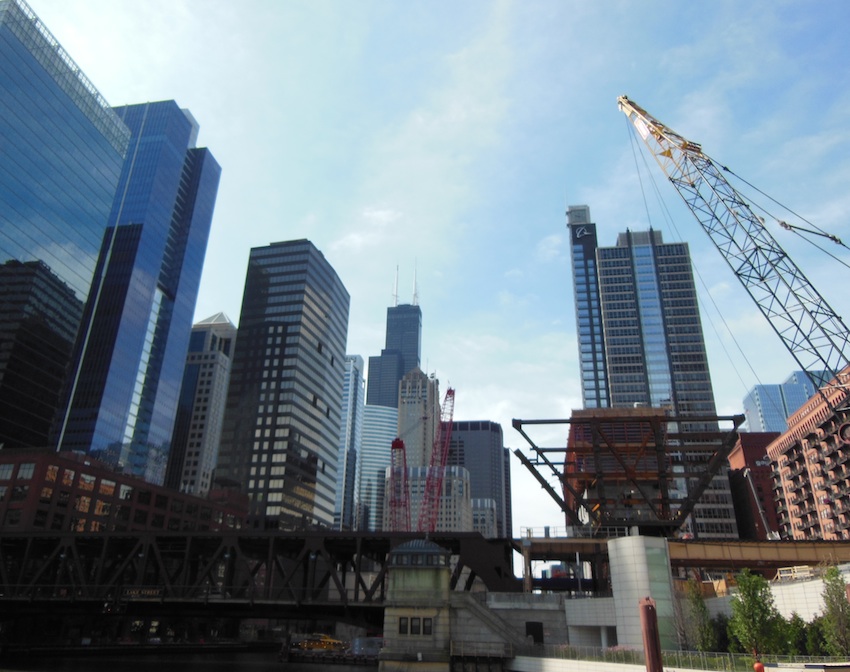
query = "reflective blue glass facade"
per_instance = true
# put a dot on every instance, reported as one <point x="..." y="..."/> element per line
<point x="594" y="373"/>
<point x="401" y="354"/>
<point x="284" y="405"/>
<point x="61" y="152"/>
<point x="350" y="441"/>
<point x="124" y="390"/>
<point x="653" y="333"/>
<point x="768" y="407"/>
<point x="380" y="427"/>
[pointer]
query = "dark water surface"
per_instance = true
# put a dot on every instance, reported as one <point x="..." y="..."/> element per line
<point x="265" y="661"/>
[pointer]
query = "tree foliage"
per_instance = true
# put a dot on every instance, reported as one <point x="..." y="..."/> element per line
<point x="755" y="621"/>
<point x="794" y="635"/>
<point x="836" y="613"/>
<point x="701" y="630"/>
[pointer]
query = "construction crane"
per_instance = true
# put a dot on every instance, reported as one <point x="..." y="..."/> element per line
<point x="399" y="499"/>
<point x="430" y="505"/>
<point x="813" y="333"/>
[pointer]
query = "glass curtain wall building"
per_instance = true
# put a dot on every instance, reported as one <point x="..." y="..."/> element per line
<point x="350" y="442"/>
<point x="768" y="407"/>
<point x="284" y="405"/>
<point x="128" y="367"/>
<point x="478" y="445"/>
<point x="380" y="427"/>
<point x="653" y="334"/>
<point x="594" y="372"/>
<point x="62" y="152"/>
<point x="641" y="342"/>
<point x="401" y="354"/>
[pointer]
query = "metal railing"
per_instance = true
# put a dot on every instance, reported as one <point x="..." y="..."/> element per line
<point x="583" y="532"/>
<point x="694" y="660"/>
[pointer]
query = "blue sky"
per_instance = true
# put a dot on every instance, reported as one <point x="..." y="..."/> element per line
<point x="449" y="137"/>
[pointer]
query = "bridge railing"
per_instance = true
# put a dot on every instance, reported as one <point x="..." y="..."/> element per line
<point x="572" y="531"/>
<point x="693" y="660"/>
<point x="471" y="649"/>
<point x="68" y="592"/>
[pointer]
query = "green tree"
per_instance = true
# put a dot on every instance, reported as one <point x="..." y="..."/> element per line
<point x="755" y="621"/>
<point x="836" y="613"/>
<point x="815" y="639"/>
<point x="701" y="630"/>
<point x="721" y="633"/>
<point x="794" y="635"/>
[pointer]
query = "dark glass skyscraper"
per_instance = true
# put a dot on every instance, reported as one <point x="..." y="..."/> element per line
<point x="61" y="152"/>
<point x="479" y="446"/>
<point x="591" y="338"/>
<point x="401" y="354"/>
<point x="640" y="336"/>
<point x="653" y="334"/>
<point x="282" y="422"/>
<point x="641" y="342"/>
<point x="124" y="389"/>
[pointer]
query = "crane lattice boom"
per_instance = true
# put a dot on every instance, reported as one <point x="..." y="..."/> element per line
<point x="437" y="469"/>
<point x="399" y="499"/>
<point x="813" y="333"/>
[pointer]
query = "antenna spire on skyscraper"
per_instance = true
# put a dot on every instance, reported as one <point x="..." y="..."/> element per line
<point x="395" y="287"/>
<point x="415" y="290"/>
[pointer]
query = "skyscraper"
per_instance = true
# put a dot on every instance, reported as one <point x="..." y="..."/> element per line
<point x="641" y="342"/>
<point x="380" y="427"/>
<point x="128" y="367"/>
<point x="640" y="336"/>
<point x="281" y="427"/>
<point x="62" y="152"/>
<point x="200" y="410"/>
<point x="350" y="442"/>
<point x="768" y="407"/>
<point x="594" y="370"/>
<point x="400" y="355"/>
<point x="418" y="416"/>
<point x="479" y="446"/>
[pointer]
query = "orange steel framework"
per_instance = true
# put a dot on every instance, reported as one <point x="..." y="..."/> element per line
<point x="631" y="467"/>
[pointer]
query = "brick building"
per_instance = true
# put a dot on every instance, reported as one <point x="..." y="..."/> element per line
<point x="751" y="482"/>
<point x="46" y="490"/>
<point x="811" y="474"/>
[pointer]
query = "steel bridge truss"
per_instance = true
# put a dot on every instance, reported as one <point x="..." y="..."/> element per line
<point x="339" y="570"/>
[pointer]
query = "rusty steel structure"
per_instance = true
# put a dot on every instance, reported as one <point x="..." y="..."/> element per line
<point x="630" y="467"/>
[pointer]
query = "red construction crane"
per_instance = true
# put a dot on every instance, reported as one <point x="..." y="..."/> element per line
<point x="437" y="469"/>
<point x="399" y="499"/>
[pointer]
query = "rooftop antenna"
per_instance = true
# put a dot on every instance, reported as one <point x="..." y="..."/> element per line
<point x="395" y="287"/>
<point x="415" y="291"/>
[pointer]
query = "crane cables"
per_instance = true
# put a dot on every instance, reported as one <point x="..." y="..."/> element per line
<point x="630" y="129"/>
<point x="796" y="230"/>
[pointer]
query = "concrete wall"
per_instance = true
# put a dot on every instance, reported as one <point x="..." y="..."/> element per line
<point x="640" y="567"/>
<point x="592" y="621"/>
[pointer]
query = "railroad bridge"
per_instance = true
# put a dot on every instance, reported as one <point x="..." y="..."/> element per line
<point x="234" y="574"/>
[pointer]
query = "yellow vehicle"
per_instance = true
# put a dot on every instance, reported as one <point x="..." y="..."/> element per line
<point x="319" y="642"/>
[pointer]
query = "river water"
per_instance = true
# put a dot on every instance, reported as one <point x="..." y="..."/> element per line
<point x="265" y="661"/>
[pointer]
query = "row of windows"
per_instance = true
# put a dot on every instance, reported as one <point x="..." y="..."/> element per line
<point x="414" y="625"/>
